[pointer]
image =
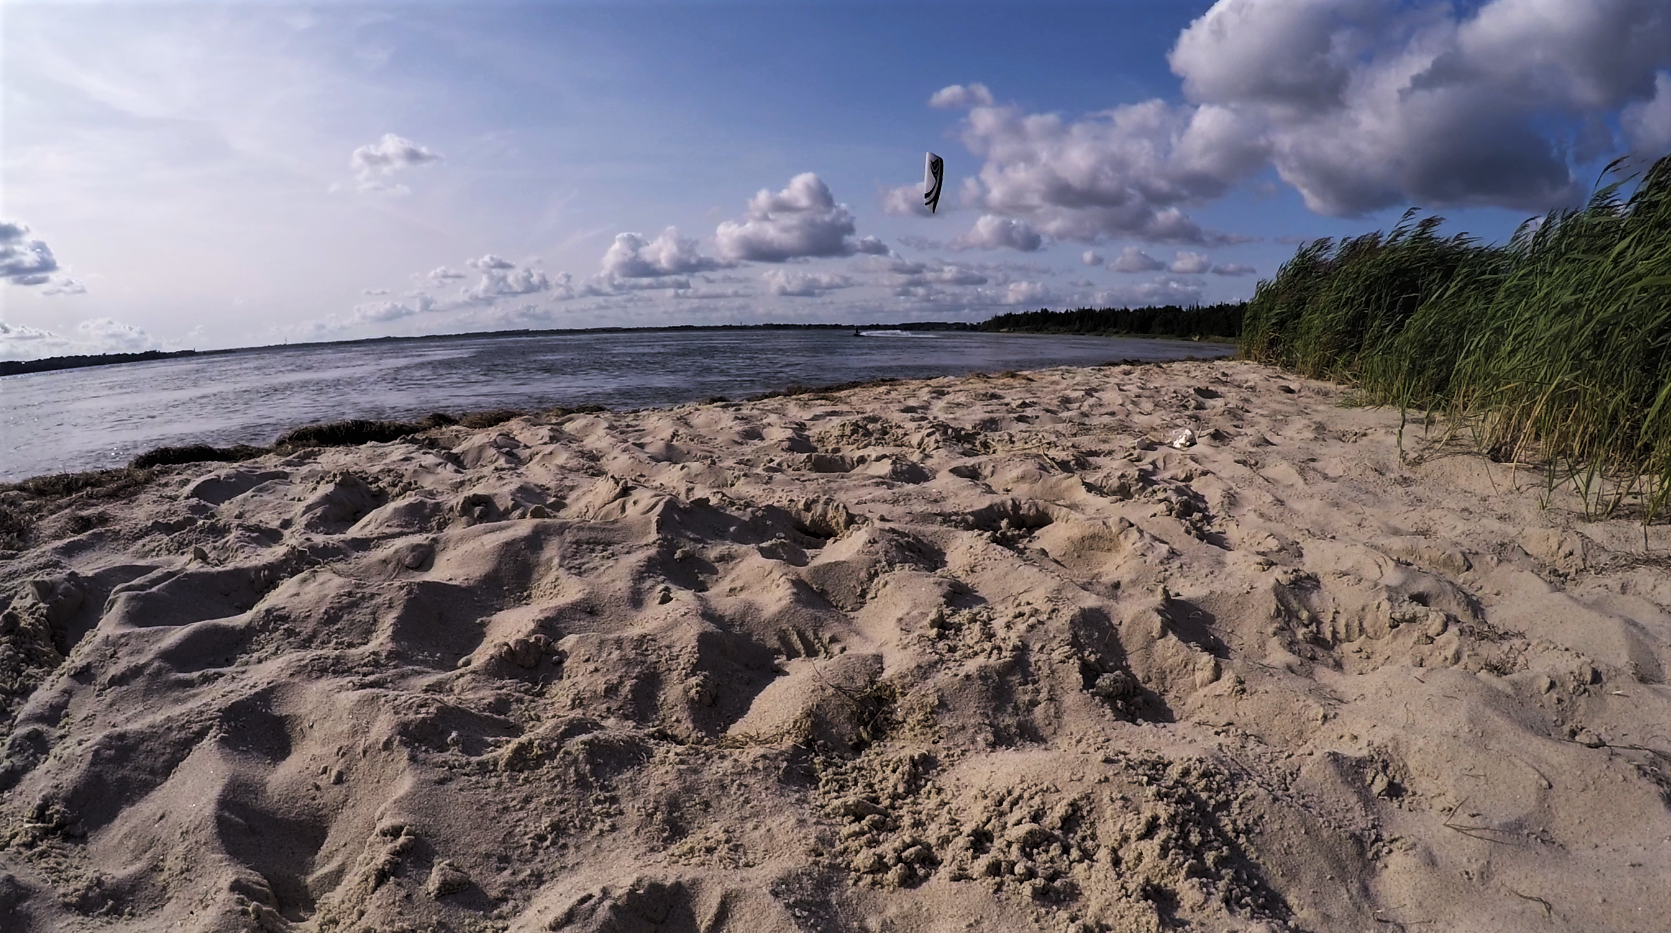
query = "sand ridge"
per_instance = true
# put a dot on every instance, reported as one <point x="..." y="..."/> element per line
<point x="982" y="652"/>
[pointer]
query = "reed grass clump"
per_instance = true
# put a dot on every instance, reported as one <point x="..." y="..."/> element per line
<point x="1556" y="344"/>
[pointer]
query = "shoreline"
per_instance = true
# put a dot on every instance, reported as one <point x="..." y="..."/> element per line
<point x="84" y="361"/>
<point x="247" y="447"/>
<point x="984" y="649"/>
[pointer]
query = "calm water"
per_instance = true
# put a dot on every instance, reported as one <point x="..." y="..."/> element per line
<point x="99" y="417"/>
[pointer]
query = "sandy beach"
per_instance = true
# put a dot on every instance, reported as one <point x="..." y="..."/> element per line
<point x="969" y="653"/>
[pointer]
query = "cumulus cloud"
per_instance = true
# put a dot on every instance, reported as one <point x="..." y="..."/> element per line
<point x="102" y="335"/>
<point x="376" y="162"/>
<point x="802" y="220"/>
<point x="1233" y="268"/>
<point x="1648" y="123"/>
<point x="1360" y="105"/>
<point x="498" y="282"/>
<point x="24" y="260"/>
<point x="921" y="242"/>
<point x="905" y="201"/>
<point x="1125" y="172"/>
<point x="1026" y="293"/>
<point x="114" y="336"/>
<point x="959" y="96"/>
<point x="381" y="312"/>
<point x="994" y="232"/>
<point x="1091" y="258"/>
<point x="1188" y="263"/>
<point x="1163" y="291"/>
<point x="64" y="285"/>
<point x="1367" y="104"/>
<point x="803" y="284"/>
<point x="374" y="291"/>
<point x="1132" y="259"/>
<point x="631" y="256"/>
<point x="442" y="274"/>
<point x="489" y="262"/>
<point x="898" y="273"/>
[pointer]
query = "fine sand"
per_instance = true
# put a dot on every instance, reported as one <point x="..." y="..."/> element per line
<point x="974" y="653"/>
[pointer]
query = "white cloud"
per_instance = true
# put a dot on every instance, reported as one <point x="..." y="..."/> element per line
<point x="898" y="273"/>
<point x="1163" y="291"/>
<point x="498" y="283"/>
<point x="1359" y="104"/>
<point x="1091" y="258"/>
<point x="1648" y="123"/>
<point x="1132" y="259"/>
<point x="1121" y="173"/>
<point x="114" y="336"/>
<point x="920" y="242"/>
<point x="802" y="220"/>
<point x="24" y="260"/>
<point x="374" y="291"/>
<point x="101" y="335"/>
<point x="442" y="273"/>
<point x="64" y="285"/>
<point x="994" y="232"/>
<point x="803" y="284"/>
<point x="489" y="262"/>
<point x="1367" y="104"/>
<point x="959" y="96"/>
<point x="1026" y="293"/>
<point x="905" y="201"/>
<point x="632" y="256"/>
<point x="381" y="312"/>
<point x="376" y="162"/>
<point x="1188" y="263"/>
<point x="1233" y="268"/>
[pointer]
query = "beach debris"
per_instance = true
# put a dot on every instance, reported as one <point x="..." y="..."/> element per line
<point x="444" y="879"/>
<point x="1183" y="438"/>
<point x="934" y="175"/>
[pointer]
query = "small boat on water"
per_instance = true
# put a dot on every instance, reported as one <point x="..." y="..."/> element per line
<point x="856" y="332"/>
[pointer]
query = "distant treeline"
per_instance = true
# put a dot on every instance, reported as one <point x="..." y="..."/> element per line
<point x="13" y="367"/>
<point x="1208" y="321"/>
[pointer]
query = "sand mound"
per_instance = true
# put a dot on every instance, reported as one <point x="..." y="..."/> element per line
<point x="976" y="653"/>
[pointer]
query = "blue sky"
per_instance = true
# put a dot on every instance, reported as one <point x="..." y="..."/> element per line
<point x="219" y="174"/>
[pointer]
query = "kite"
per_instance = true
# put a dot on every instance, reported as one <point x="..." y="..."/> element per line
<point x="931" y="181"/>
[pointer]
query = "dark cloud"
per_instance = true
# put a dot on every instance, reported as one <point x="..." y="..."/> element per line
<point x="1233" y="268"/>
<point x="23" y="259"/>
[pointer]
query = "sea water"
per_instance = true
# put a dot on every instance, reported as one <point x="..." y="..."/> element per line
<point x="100" y="417"/>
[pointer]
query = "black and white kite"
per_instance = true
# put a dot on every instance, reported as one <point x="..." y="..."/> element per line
<point x="931" y="181"/>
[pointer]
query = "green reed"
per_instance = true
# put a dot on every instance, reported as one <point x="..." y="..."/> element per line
<point x="1556" y="344"/>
